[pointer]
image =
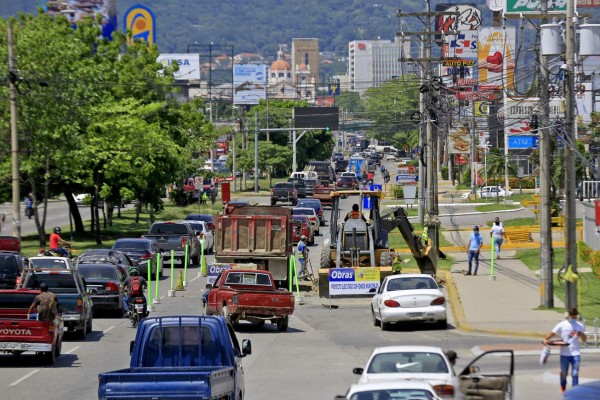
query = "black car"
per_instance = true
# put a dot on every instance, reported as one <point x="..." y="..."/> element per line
<point x="112" y="256"/>
<point x="140" y="251"/>
<point x="208" y="218"/>
<point x="377" y="157"/>
<point x="345" y="182"/>
<point x="337" y="157"/>
<point x="103" y="281"/>
<point x="11" y="266"/>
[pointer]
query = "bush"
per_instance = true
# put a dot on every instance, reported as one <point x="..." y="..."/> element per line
<point x="444" y="172"/>
<point x="398" y="193"/>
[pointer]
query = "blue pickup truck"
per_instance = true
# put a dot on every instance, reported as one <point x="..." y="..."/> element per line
<point x="183" y="357"/>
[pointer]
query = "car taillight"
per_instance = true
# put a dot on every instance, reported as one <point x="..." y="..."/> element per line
<point x="111" y="287"/>
<point x="146" y="256"/>
<point x="18" y="282"/>
<point x="320" y="212"/>
<point x="439" y="301"/>
<point x="201" y="235"/>
<point x="391" y="303"/>
<point x="79" y="305"/>
<point x="183" y="241"/>
<point x="444" y="390"/>
<point x="272" y="191"/>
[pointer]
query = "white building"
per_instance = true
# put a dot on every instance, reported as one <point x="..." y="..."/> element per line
<point x="374" y="62"/>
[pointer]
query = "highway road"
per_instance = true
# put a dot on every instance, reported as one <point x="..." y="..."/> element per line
<point x="312" y="360"/>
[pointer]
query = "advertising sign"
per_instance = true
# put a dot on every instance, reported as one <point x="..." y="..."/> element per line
<point x="459" y="140"/>
<point x="140" y="20"/>
<point x="583" y="103"/>
<point x="250" y="83"/>
<point x="494" y="50"/>
<point x="534" y="6"/>
<point x="216" y="268"/>
<point x="189" y="65"/>
<point x="463" y="45"/>
<point x="106" y="8"/>
<point x="522" y="142"/>
<point x="410" y="193"/>
<point x="353" y="281"/>
<point x="588" y="3"/>
<point x="468" y="17"/>
<point x="459" y="72"/>
<point x="403" y="179"/>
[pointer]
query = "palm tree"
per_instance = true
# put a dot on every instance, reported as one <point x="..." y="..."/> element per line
<point x="495" y="167"/>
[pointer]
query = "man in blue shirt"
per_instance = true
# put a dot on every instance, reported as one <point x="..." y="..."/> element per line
<point x="475" y="243"/>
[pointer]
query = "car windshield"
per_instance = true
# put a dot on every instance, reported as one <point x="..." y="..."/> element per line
<point x="169" y="229"/>
<point x="199" y="217"/>
<point x="248" y="279"/>
<point x="311" y="204"/>
<point x="102" y="272"/>
<point x="392" y="394"/>
<point x="284" y="185"/>
<point x="51" y="262"/>
<point x="131" y="245"/>
<point x="197" y="226"/>
<point x="408" y="362"/>
<point x="410" y="284"/>
<point x="303" y="212"/>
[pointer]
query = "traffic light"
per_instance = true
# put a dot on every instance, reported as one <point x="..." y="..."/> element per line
<point x="534" y="124"/>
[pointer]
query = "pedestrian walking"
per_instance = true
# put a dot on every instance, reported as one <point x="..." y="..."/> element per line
<point x="497" y="234"/>
<point x="570" y="331"/>
<point x="475" y="243"/>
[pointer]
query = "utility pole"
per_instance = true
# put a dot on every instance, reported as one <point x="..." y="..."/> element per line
<point x="546" y="262"/>
<point x="256" y="152"/>
<point x="570" y="184"/>
<point x="422" y="139"/>
<point x="473" y="150"/>
<point x="14" y="139"/>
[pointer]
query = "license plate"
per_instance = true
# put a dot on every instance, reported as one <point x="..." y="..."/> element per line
<point x="139" y="307"/>
<point x="415" y="314"/>
<point x="13" y="346"/>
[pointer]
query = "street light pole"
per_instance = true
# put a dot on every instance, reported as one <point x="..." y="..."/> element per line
<point x="256" y="152"/>
<point x="14" y="140"/>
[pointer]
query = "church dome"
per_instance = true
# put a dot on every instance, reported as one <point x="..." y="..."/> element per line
<point x="280" y="65"/>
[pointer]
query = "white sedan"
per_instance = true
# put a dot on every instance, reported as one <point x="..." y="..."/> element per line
<point x="408" y="298"/>
<point x="390" y="157"/>
<point x="203" y="232"/>
<point x="417" y="363"/>
<point x="397" y="389"/>
<point x="311" y="213"/>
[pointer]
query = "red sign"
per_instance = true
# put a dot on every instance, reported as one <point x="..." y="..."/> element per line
<point x="458" y="160"/>
<point x="597" y="207"/>
<point x="588" y="3"/>
<point x="471" y="95"/>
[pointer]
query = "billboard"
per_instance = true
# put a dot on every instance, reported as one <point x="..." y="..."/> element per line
<point x="317" y="117"/>
<point x="353" y="281"/>
<point x="535" y="7"/>
<point x="189" y="64"/>
<point x="584" y="102"/>
<point x="249" y="83"/>
<point x="463" y="45"/>
<point x="494" y="50"/>
<point x="140" y="20"/>
<point x="468" y="17"/>
<point x="459" y="140"/>
<point x="459" y="72"/>
<point x="78" y="10"/>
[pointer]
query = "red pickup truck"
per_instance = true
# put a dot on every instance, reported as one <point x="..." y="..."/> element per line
<point x="251" y="295"/>
<point x="19" y="334"/>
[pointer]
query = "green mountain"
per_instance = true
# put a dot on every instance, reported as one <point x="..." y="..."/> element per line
<point x="260" y="25"/>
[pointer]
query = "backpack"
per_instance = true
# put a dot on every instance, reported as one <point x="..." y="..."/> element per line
<point x="47" y="309"/>
<point x="135" y="286"/>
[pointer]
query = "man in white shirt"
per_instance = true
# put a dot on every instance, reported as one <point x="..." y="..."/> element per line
<point x="570" y="331"/>
<point x="497" y="234"/>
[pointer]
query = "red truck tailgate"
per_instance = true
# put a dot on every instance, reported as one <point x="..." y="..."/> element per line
<point x="29" y="331"/>
<point x="264" y="302"/>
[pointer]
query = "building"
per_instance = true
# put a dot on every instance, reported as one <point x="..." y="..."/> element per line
<point x="374" y="62"/>
<point x="305" y="55"/>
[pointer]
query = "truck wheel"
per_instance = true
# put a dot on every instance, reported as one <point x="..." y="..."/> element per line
<point x="196" y="260"/>
<point x="88" y="326"/>
<point x="49" y="357"/>
<point x="385" y="259"/>
<point x="82" y="333"/>
<point x="58" y="348"/>
<point x="326" y="258"/>
<point x="282" y="324"/>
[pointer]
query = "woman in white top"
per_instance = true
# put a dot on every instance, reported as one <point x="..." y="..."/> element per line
<point x="497" y="235"/>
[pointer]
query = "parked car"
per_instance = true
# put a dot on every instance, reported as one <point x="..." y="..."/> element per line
<point x="390" y="157"/>
<point x="74" y="301"/>
<point x="142" y="251"/>
<point x="397" y="389"/>
<point x="203" y="232"/>
<point x="11" y="267"/>
<point x="208" y="218"/>
<point x="313" y="203"/>
<point x="103" y="281"/>
<point x="493" y="191"/>
<point x="346" y="183"/>
<point x="311" y="214"/>
<point x="302" y="226"/>
<point x="408" y="298"/>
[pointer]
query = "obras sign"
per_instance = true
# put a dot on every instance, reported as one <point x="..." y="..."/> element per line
<point x="534" y="6"/>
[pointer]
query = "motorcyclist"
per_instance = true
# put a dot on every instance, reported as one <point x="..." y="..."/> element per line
<point x="127" y="287"/>
<point x="29" y="206"/>
<point x="56" y="241"/>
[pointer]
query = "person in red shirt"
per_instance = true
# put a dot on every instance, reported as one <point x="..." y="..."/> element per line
<point x="56" y="241"/>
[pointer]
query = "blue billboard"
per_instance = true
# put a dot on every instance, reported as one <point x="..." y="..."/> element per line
<point x="522" y="142"/>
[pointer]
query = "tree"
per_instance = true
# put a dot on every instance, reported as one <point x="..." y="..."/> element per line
<point x="350" y="102"/>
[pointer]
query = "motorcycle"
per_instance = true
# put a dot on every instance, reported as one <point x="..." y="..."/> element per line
<point x="51" y="253"/>
<point x="29" y="212"/>
<point x="137" y="310"/>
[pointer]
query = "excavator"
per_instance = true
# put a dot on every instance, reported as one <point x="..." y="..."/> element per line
<point x="359" y="242"/>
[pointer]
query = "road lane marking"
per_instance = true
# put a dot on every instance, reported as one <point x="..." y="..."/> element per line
<point x="194" y="279"/>
<point x="104" y="332"/>
<point x="72" y="350"/>
<point x="29" y="375"/>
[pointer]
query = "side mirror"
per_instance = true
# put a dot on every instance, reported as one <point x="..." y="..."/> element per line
<point x="208" y="286"/>
<point x="246" y="347"/>
<point x="131" y="347"/>
<point x="358" y="371"/>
